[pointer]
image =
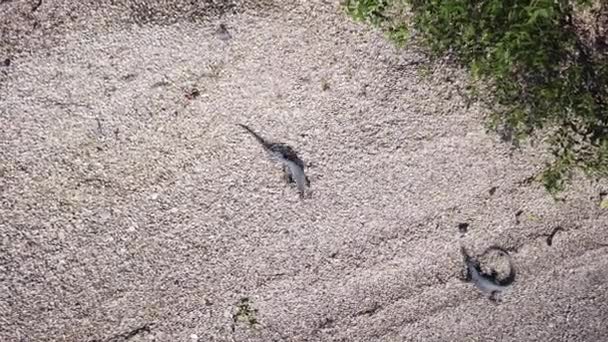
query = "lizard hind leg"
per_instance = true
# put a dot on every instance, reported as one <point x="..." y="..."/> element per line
<point x="465" y="275"/>
<point x="494" y="297"/>
<point x="287" y="175"/>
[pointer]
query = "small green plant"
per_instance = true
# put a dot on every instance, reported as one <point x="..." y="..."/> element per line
<point x="367" y="10"/>
<point x="381" y="13"/>
<point x="324" y="85"/>
<point x="604" y="203"/>
<point x="245" y="313"/>
<point x="399" y="34"/>
<point x="546" y="82"/>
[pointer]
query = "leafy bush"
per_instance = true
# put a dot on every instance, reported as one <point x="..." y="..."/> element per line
<point x="545" y="80"/>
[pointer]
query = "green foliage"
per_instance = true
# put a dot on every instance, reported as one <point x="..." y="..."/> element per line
<point x="398" y="33"/>
<point x="545" y="79"/>
<point x="376" y="13"/>
<point x="367" y="10"/>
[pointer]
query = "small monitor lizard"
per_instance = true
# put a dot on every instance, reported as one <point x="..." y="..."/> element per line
<point x="488" y="283"/>
<point x="293" y="166"/>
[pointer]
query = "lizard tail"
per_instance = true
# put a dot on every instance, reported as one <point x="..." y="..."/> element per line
<point x="255" y="135"/>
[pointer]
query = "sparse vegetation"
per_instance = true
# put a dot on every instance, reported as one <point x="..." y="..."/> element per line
<point x="324" y="85"/>
<point x="548" y="83"/>
<point x="245" y="313"/>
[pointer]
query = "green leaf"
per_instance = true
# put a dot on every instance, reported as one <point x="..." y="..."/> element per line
<point x="543" y="13"/>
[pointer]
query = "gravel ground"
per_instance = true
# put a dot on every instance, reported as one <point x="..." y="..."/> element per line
<point x="133" y="208"/>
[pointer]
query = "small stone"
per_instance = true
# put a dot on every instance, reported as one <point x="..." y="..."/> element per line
<point x="517" y="215"/>
<point x="193" y="93"/>
<point x="463" y="227"/>
<point x="222" y="33"/>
